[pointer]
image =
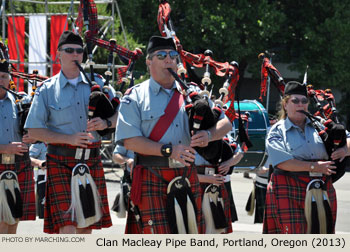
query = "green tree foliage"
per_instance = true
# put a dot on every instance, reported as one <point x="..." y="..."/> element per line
<point x="317" y="34"/>
<point x="300" y="32"/>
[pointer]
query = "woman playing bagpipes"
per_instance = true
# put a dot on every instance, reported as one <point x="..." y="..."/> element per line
<point x="300" y="195"/>
<point x="17" y="199"/>
<point x="76" y="196"/>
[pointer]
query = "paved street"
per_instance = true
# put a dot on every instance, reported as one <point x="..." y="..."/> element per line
<point x="241" y="188"/>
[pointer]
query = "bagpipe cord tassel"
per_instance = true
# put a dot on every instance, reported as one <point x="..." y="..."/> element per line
<point x="251" y="202"/>
<point x="8" y="214"/>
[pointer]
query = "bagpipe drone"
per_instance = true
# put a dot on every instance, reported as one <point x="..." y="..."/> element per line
<point x="99" y="104"/>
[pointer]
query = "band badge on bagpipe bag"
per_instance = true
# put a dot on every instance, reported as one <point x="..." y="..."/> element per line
<point x="11" y="205"/>
<point x="85" y="205"/>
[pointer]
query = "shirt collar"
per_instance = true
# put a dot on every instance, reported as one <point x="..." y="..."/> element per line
<point x="288" y="123"/>
<point x="6" y="96"/>
<point x="156" y="88"/>
<point x="64" y="81"/>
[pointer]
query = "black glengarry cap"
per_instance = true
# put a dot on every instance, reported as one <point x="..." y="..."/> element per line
<point x="158" y="43"/>
<point x="294" y="87"/>
<point x="69" y="37"/>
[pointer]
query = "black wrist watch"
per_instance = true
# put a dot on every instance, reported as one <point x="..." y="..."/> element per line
<point x="166" y="150"/>
<point x="109" y="123"/>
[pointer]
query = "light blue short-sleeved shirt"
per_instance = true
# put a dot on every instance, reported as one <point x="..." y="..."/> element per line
<point x="141" y="109"/>
<point x="122" y="151"/>
<point x="61" y="106"/>
<point x="287" y="141"/>
<point x="38" y="151"/>
<point x="9" y="120"/>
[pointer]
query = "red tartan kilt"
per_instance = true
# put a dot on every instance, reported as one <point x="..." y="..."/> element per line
<point x="153" y="201"/>
<point x="58" y="193"/>
<point x="284" y="212"/>
<point x="26" y="183"/>
<point x="226" y="200"/>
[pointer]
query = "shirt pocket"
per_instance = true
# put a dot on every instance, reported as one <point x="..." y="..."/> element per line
<point x="150" y="115"/>
<point x="61" y="113"/>
<point x="295" y="147"/>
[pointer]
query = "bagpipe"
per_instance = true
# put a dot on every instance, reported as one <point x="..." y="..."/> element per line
<point x="99" y="103"/>
<point x="333" y="136"/>
<point x="325" y="120"/>
<point x="201" y="115"/>
<point x="23" y="101"/>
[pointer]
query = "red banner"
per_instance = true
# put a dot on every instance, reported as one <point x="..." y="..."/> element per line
<point x="57" y="28"/>
<point x="16" y="38"/>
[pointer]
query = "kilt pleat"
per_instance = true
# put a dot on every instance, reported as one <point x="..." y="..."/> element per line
<point x="58" y="193"/>
<point x="227" y="205"/>
<point x="284" y="212"/>
<point x="233" y="211"/>
<point x="24" y="173"/>
<point x="153" y="201"/>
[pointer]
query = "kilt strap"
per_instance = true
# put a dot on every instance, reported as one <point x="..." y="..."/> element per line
<point x="68" y="152"/>
<point x="152" y="161"/>
<point x="67" y="166"/>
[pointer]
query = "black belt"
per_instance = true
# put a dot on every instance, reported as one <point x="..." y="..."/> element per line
<point x="278" y="171"/>
<point x="19" y="158"/>
<point x="152" y="161"/>
<point x="68" y="152"/>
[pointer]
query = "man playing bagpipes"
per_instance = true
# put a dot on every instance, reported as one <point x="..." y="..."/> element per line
<point x="152" y="121"/>
<point x="300" y="195"/>
<point x="76" y="196"/>
<point x="17" y="199"/>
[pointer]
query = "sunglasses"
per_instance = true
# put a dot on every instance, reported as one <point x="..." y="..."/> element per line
<point x="297" y="101"/>
<point x="71" y="50"/>
<point x="161" y="55"/>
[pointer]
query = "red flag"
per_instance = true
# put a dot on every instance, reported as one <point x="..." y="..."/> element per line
<point x="15" y="39"/>
<point x="57" y="28"/>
